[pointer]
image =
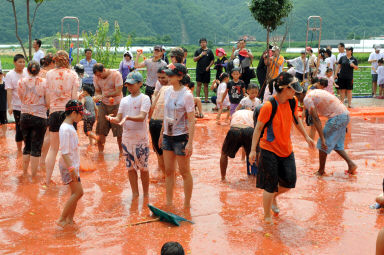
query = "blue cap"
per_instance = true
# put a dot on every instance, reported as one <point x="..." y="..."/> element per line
<point x="133" y="78"/>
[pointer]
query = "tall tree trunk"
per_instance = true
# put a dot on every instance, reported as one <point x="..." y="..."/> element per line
<point x="16" y="27"/>
<point x="29" y="33"/>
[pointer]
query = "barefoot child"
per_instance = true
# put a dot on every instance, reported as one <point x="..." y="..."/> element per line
<point x="133" y="111"/>
<point x="380" y="78"/>
<point x="69" y="162"/>
<point x="250" y="102"/>
<point x="235" y="90"/>
<point x="224" y="79"/>
<point x="92" y="113"/>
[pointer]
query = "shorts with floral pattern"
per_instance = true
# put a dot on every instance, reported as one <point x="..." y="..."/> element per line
<point x="136" y="156"/>
<point x="65" y="175"/>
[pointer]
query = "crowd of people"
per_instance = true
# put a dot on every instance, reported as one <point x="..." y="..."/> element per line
<point x="49" y="98"/>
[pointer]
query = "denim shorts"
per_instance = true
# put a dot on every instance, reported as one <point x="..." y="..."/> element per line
<point x="175" y="143"/>
<point x="334" y="133"/>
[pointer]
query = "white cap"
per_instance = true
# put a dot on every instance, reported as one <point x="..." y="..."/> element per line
<point x="274" y="48"/>
<point x="377" y="47"/>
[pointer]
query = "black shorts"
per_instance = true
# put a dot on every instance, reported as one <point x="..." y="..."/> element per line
<point x="274" y="170"/>
<point x="236" y="138"/>
<point x="345" y="83"/>
<point x="33" y="129"/>
<point x="204" y="77"/>
<point x="18" y="135"/>
<point x="374" y="77"/>
<point x="155" y="129"/>
<point x="3" y="117"/>
<point x="88" y="124"/>
<point x="55" y="120"/>
<point x="149" y="91"/>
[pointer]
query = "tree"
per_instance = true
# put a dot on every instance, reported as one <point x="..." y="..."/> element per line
<point x="270" y="14"/>
<point x="29" y="22"/>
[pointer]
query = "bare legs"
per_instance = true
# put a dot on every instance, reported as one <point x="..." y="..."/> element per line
<point x="44" y="150"/>
<point x="34" y="164"/>
<point x="101" y="143"/>
<point x="198" y="89"/>
<point x="323" y="158"/>
<point x="223" y="165"/>
<point x="269" y="199"/>
<point x="374" y="88"/>
<point x="71" y="204"/>
<point x="51" y="156"/>
<point x="132" y="175"/>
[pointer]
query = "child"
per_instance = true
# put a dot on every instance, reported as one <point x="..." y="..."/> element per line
<point x="235" y="90"/>
<point x="221" y="62"/>
<point x="379" y="200"/>
<point x="251" y="101"/>
<point x="69" y="162"/>
<point x="92" y="113"/>
<point x="172" y="248"/>
<point x="191" y="85"/>
<point x="3" y="106"/>
<point x="215" y="84"/>
<point x="380" y="78"/>
<point x="224" y="79"/>
<point x="331" y="81"/>
<point x="132" y="114"/>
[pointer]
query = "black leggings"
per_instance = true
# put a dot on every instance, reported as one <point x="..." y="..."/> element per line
<point x="18" y="135"/>
<point x="33" y="129"/>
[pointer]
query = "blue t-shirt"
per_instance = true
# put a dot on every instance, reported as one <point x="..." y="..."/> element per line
<point x="88" y="69"/>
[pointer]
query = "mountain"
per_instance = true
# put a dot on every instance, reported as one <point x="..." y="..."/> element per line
<point x="185" y="21"/>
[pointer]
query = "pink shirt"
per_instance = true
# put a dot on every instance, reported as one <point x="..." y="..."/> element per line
<point x="326" y="104"/>
<point x="329" y="88"/>
<point x="32" y="92"/>
<point x="11" y="82"/>
<point x="109" y="85"/>
<point x="158" y="111"/>
<point x="243" y="118"/>
<point x="60" y="84"/>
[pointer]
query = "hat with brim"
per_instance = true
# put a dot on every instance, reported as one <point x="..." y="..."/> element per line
<point x="244" y="53"/>
<point x="377" y="47"/>
<point x="218" y="50"/>
<point x="133" y="78"/>
<point x="274" y="48"/>
<point x="295" y="85"/>
<point x="176" y="69"/>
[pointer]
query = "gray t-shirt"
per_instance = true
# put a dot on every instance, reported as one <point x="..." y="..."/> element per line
<point x="246" y="62"/>
<point x="89" y="105"/>
<point x="152" y="68"/>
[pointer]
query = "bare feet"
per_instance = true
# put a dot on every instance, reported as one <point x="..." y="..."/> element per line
<point x="61" y="223"/>
<point x="268" y="220"/>
<point x="187" y="205"/>
<point x="352" y="169"/>
<point x="319" y="173"/>
<point x="275" y="208"/>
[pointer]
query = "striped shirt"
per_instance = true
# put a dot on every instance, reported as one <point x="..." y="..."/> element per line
<point x="88" y="69"/>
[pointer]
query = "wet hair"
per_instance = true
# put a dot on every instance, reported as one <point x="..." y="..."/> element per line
<point x="87" y="88"/>
<point x="86" y="50"/>
<point x="284" y="78"/>
<point x="98" y="67"/>
<point x="38" y="42"/>
<point x="33" y="68"/>
<point x="380" y="61"/>
<point x="314" y="80"/>
<point x="324" y="82"/>
<point x="172" y="248"/>
<point x="191" y="85"/>
<point x="127" y="54"/>
<point x="253" y="86"/>
<point x="162" y="69"/>
<point x="47" y="60"/>
<point x="61" y="59"/>
<point x="342" y="45"/>
<point x="186" y="80"/>
<point x="203" y="40"/>
<point x="329" y="52"/>
<point x="17" y="57"/>
<point x="350" y="48"/>
<point x="73" y="106"/>
<point x="329" y="70"/>
<point x="223" y="76"/>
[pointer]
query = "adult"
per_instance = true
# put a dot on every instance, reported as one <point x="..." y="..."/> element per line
<point x="46" y="64"/>
<point x="298" y="63"/>
<point x="321" y="64"/>
<point x="341" y="49"/>
<point x="373" y="58"/>
<point x="32" y="91"/>
<point x="261" y="72"/>
<point x="204" y="58"/>
<point x="277" y="168"/>
<point x="185" y="56"/>
<point x="152" y="65"/>
<point x="311" y="61"/>
<point x="345" y="66"/>
<point x="239" y="135"/>
<point x="332" y="137"/>
<point x="245" y="56"/>
<point x="178" y="132"/>
<point x="39" y="54"/>
<point x="275" y="62"/>
<point x="164" y="57"/>
<point x="62" y="86"/>
<point x="177" y="55"/>
<point x="88" y="62"/>
<point x="331" y="58"/>
<point x="125" y="67"/>
<point x="108" y="87"/>
<point x="14" y="104"/>
<point x="156" y="115"/>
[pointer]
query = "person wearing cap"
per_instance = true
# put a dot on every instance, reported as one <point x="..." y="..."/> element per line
<point x="245" y="56"/>
<point x="373" y="58"/>
<point x="3" y="106"/>
<point x="132" y="114"/>
<point x="298" y="63"/>
<point x="332" y="137"/>
<point x="152" y="65"/>
<point x="345" y="66"/>
<point x="88" y="62"/>
<point x="177" y="55"/>
<point x="204" y="58"/>
<point x="125" y="67"/>
<point x="276" y="167"/>
<point x="178" y="132"/>
<point x="221" y="62"/>
<point x="276" y="61"/>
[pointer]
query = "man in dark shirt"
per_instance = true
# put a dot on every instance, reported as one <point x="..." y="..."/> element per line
<point x="204" y="58"/>
<point x="3" y="106"/>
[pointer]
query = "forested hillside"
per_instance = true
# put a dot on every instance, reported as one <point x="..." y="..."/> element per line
<point x="185" y="21"/>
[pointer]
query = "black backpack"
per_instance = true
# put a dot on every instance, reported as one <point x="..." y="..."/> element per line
<point x="292" y="104"/>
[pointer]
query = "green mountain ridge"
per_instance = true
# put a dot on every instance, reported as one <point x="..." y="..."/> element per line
<point x="185" y="21"/>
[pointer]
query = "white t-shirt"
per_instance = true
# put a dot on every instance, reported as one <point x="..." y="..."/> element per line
<point x="292" y="71"/>
<point x="246" y="102"/>
<point x="158" y="86"/>
<point x="133" y="131"/>
<point x="177" y="105"/>
<point x="220" y="92"/>
<point x="380" y="75"/>
<point x="69" y="145"/>
<point x="243" y="117"/>
<point x="375" y="56"/>
<point x="11" y="81"/>
<point x="322" y="68"/>
<point x="267" y="93"/>
<point x="152" y="68"/>
<point x="328" y="63"/>
<point x="340" y="55"/>
<point x="38" y="55"/>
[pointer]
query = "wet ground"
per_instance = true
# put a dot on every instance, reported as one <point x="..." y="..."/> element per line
<point x="327" y="215"/>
